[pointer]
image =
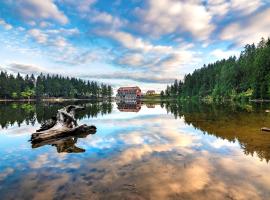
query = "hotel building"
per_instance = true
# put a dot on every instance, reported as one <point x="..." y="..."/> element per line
<point x="129" y="93"/>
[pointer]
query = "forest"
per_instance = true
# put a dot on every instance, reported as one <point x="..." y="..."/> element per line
<point x="244" y="78"/>
<point x="38" y="113"/>
<point x="48" y="86"/>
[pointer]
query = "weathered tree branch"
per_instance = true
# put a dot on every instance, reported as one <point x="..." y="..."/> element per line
<point x="64" y="124"/>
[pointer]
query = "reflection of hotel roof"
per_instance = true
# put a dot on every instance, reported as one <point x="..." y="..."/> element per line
<point x="129" y="110"/>
<point x="129" y="88"/>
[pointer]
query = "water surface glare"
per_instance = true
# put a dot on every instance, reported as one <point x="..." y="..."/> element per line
<point x="142" y="151"/>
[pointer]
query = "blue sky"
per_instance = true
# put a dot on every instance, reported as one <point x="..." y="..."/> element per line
<point x="126" y="42"/>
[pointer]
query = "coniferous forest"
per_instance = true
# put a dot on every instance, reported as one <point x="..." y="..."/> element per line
<point x="246" y="77"/>
<point x="47" y="86"/>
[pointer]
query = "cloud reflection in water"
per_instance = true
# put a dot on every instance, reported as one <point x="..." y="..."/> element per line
<point x="141" y="157"/>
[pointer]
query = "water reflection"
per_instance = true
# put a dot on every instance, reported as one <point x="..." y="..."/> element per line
<point x="232" y="122"/>
<point x="32" y="113"/>
<point x="132" y="106"/>
<point x="63" y="144"/>
<point x="202" y="154"/>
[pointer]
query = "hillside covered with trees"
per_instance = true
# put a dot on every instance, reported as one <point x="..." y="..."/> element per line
<point x="246" y="77"/>
<point x="47" y="86"/>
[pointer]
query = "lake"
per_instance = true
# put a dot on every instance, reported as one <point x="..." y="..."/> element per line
<point x="139" y="151"/>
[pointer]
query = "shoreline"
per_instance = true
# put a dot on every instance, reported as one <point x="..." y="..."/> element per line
<point x="48" y="100"/>
<point x="152" y="99"/>
<point x="260" y="100"/>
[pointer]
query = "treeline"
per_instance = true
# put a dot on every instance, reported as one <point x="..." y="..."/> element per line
<point x="245" y="77"/>
<point x="46" y="86"/>
<point x="32" y="113"/>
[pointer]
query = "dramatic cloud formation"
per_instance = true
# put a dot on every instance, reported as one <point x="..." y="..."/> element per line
<point x="133" y="42"/>
<point x="169" y="16"/>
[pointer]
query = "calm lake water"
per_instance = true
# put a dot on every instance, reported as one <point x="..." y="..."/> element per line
<point x="142" y="151"/>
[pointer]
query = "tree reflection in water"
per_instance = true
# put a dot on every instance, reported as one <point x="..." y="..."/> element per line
<point x="232" y="122"/>
<point x="32" y="113"/>
<point x="145" y="155"/>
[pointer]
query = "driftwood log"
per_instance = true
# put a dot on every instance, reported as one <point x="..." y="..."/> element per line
<point x="65" y="144"/>
<point x="265" y="129"/>
<point x="63" y="125"/>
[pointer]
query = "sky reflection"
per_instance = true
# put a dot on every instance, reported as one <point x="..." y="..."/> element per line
<point x="144" y="155"/>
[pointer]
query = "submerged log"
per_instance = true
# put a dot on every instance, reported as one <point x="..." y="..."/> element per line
<point x="265" y="129"/>
<point x="64" y="124"/>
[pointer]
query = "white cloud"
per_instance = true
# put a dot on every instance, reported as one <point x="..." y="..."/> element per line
<point x="161" y="60"/>
<point x="241" y="7"/>
<point x="134" y="60"/>
<point x="245" y="6"/>
<point x="218" y="7"/>
<point x="32" y="23"/>
<point x="6" y="25"/>
<point x="177" y="59"/>
<point x="38" y="35"/>
<point x="39" y="10"/>
<point x="83" y="6"/>
<point x="53" y="37"/>
<point x="146" y="77"/>
<point x="107" y="18"/>
<point x="21" y="28"/>
<point x="63" y="31"/>
<point x="134" y="43"/>
<point x="169" y="16"/>
<point x="87" y="57"/>
<point x="44" y="24"/>
<point x="25" y="68"/>
<point x="249" y="31"/>
<point x="221" y="54"/>
<point x="60" y="42"/>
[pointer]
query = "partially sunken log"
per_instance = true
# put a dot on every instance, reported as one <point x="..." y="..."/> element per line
<point x="265" y="129"/>
<point x="64" y="124"/>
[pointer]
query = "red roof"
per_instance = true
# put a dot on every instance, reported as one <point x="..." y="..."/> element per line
<point x="129" y="88"/>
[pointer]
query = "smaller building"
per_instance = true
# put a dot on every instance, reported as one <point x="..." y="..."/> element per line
<point x="150" y="92"/>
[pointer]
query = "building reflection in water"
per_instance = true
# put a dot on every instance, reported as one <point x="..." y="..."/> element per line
<point x="149" y="105"/>
<point x="129" y="106"/>
<point x="208" y="152"/>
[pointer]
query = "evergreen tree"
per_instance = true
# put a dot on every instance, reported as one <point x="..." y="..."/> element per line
<point x="50" y="86"/>
<point x="245" y="77"/>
